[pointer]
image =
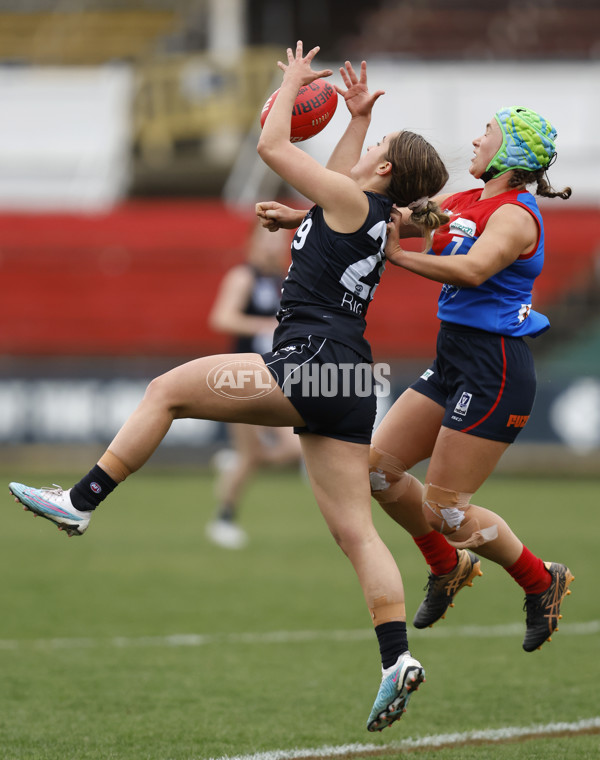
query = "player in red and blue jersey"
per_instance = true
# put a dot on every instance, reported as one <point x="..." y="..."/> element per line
<point x="502" y="303"/>
<point x="472" y="402"/>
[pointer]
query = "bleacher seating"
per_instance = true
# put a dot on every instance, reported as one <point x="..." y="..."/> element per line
<point x="82" y="37"/>
<point x="463" y="29"/>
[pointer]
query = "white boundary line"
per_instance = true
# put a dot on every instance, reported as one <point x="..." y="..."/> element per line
<point x="489" y="735"/>
<point x="287" y="637"/>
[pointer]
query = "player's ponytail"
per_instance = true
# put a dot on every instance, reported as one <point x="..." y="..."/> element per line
<point x="521" y="177"/>
<point x="428" y="216"/>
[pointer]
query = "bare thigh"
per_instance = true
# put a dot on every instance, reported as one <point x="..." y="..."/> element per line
<point x="227" y="388"/>
<point x="410" y="428"/>
<point x="463" y="462"/>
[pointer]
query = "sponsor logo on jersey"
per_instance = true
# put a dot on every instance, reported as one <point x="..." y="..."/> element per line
<point x="517" y="420"/>
<point x="451" y="291"/>
<point x="463" y="404"/>
<point x="524" y="311"/>
<point x="463" y="226"/>
<point x="349" y="302"/>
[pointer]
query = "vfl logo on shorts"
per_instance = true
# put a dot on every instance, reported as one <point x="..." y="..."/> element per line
<point x="463" y="404"/>
<point x="427" y="374"/>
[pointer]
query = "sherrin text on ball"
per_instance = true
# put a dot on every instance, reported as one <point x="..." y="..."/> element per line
<point x="314" y="107"/>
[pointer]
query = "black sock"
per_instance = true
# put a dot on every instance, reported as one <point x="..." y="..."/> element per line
<point x="226" y="512"/>
<point x="92" y="489"/>
<point x="393" y="641"/>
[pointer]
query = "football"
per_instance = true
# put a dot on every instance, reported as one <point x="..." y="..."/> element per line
<point x="315" y="105"/>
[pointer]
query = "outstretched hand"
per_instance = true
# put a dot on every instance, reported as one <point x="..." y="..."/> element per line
<point x="359" y="100"/>
<point x="275" y="216"/>
<point x="299" y="65"/>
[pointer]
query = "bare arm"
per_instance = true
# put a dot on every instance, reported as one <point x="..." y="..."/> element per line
<point x="227" y="314"/>
<point x="510" y="232"/>
<point x="343" y="202"/>
<point x="275" y="216"/>
<point x="359" y="103"/>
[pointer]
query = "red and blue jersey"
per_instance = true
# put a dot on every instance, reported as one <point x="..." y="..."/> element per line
<point x="503" y="303"/>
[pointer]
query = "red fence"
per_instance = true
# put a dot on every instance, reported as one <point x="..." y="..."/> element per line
<point x="141" y="280"/>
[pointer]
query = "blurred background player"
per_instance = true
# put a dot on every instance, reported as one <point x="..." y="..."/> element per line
<point x="476" y="397"/>
<point x="245" y="307"/>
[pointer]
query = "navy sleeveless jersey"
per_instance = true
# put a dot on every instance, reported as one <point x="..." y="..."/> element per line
<point x="503" y="303"/>
<point x="263" y="302"/>
<point x="332" y="279"/>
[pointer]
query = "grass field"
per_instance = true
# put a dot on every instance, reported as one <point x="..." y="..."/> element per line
<point x="141" y="641"/>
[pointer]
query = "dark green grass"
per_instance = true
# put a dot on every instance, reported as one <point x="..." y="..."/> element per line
<point x="145" y="570"/>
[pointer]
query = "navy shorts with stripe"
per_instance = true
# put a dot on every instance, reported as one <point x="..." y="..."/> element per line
<point x="486" y="382"/>
<point x="329" y="384"/>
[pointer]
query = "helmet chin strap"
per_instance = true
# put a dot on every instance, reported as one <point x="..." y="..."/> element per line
<point x="488" y="174"/>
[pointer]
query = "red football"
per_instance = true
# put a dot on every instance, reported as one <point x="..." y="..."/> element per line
<point x="314" y="107"/>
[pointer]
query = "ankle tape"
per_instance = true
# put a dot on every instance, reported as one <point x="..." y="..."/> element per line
<point x="386" y="612"/>
<point x="114" y="466"/>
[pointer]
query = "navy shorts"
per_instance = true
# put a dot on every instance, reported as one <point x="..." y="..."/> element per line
<point x="486" y="382"/>
<point x="330" y="385"/>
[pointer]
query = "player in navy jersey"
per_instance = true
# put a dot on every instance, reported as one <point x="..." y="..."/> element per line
<point x="318" y="376"/>
<point x="245" y="308"/>
<point x="472" y="402"/>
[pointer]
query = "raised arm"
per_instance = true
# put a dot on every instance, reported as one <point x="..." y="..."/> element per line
<point x="343" y="202"/>
<point x="359" y="103"/>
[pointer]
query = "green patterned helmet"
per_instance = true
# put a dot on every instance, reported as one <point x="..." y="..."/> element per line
<point x="527" y="142"/>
